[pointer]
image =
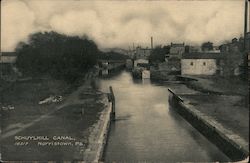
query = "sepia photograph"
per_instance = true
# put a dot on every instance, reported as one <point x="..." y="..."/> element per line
<point x="124" y="81"/>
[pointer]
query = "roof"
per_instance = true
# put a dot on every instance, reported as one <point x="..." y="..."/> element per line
<point x="143" y="49"/>
<point x="11" y="54"/>
<point x="202" y="55"/>
<point x="177" y="44"/>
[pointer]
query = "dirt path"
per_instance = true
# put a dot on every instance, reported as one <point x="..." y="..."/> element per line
<point x="80" y="116"/>
<point x="73" y="98"/>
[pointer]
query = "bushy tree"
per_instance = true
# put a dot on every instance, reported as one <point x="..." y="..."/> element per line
<point x="158" y="54"/>
<point x="206" y="46"/>
<point x="56" y="54"/>
<point x="113" y="56"/>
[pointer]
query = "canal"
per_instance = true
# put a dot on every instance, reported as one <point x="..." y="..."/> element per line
<point x="146" y="128"/>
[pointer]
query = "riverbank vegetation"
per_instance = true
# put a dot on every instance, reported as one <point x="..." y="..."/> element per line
<point x="57" y="55"/>
<point x="158" y="54"/>
<point x="112" y="56"/>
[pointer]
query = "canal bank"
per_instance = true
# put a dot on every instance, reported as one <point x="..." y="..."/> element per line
<point x="99" y="134"/>
<point x="147" y="130"/>
<point x="219" y="110"/>
<point x="230" y="143"/>
<point x="83" y="116"/>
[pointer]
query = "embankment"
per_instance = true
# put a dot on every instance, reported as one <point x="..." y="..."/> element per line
<point x="230" y="143"/>
<point x="98" y="140"/>
<point x="104" y="135"/>
<point x="99" y="136"/>
<point x="99" y="131"/>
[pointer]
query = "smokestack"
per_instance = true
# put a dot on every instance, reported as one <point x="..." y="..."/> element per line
<point x="245" y="22"/>
<point x="152" y="45"/>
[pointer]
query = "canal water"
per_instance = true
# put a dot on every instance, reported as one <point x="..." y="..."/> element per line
<point x="147" y="129"/>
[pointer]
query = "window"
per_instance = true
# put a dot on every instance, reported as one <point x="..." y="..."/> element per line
<point x="204" y="63"/>
<point x="191" y="63"/>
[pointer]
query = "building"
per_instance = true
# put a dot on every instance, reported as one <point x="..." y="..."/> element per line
<point x="141" y="63"/>
<point x="142" y="53"/>
<point x="7" y="61"/>
<point x="176" y="51"/>
<point x="194" y="49"/>
<point x="8" y="57"/>
<point x="233" y="47"/>
<point x="200" y="63"/>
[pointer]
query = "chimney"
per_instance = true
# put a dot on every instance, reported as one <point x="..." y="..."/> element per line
<point x="245" y="23"/>
<point x="152" y="45"/>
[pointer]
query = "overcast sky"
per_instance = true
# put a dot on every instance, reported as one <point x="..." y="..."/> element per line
<point x="120" y="23"/>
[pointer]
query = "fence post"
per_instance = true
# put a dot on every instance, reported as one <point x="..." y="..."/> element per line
<point x="113" y="103"/>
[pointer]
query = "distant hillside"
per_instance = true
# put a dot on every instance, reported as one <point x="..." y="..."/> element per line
<point x="117" y="50"/>
<point x="113" y="56"/>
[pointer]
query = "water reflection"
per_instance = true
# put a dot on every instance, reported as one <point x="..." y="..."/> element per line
<point x="122" y="118"/>
<point x="148" y="130"/>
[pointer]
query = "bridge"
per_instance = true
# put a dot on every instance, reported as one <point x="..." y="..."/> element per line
<point x="109" y="66"/>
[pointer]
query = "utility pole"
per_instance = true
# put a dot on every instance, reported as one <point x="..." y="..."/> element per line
<point x="246" y="48"/>
<point x="152" y="44"/>
<point x="245" y="23"/>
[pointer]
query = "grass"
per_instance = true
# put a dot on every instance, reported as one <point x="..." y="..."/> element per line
<point x="220" y="85"/>
<point x="67" y="121"/>
<point x="24" y="96"/>
<point x="225" y="110"/>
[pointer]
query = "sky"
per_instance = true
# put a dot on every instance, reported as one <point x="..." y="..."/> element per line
<point x="121" y="23"/>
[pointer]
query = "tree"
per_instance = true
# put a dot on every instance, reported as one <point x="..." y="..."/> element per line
<point x="206" y="46"/>
<point x="58" y="55"/>
<point x="113" y="56"/>
<point x="158" y="54"/>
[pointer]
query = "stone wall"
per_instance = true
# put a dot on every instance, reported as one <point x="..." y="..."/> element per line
<point x="227" y="141"/>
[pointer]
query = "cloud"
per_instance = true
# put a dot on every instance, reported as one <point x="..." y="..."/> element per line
<point x="120" y="23"/>
<point x="16" y="23"/>
<point x="77" y="23"/>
